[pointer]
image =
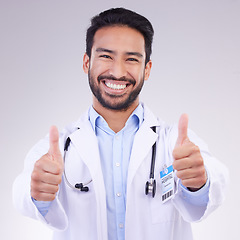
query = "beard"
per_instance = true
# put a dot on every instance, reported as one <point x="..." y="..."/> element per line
<point x="115" y="102"/>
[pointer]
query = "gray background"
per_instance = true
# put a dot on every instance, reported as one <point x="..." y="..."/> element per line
<point x="196" y="69"/>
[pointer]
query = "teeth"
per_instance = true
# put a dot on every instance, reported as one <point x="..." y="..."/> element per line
<point x="116" y="86"/>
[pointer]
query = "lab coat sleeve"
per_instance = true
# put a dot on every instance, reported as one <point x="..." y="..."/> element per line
<point x="218" y="178"/>
<point x="56" y="217"/>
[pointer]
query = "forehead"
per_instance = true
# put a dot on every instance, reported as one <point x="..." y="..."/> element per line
<point x="119" y="38"/>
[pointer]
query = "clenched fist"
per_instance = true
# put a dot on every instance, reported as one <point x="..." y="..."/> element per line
<point x="188" y="160"/>
<point x="48" y="170"/>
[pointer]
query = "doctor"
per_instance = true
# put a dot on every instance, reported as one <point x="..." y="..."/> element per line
<point x="110" y="150"/>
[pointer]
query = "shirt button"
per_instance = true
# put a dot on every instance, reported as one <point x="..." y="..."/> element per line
<point x="120" y="225"/>
<point x="119" y="194"/>
<point x="117" y="164"/>
<point x="117" y="137"/>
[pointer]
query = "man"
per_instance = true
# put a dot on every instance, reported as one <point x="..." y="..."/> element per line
<point x="108" y="153"/>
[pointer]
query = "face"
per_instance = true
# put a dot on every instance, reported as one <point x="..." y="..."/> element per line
<point x="117" y="69"/>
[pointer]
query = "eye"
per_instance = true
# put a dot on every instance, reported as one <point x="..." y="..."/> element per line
<point x="133" y="60"/>
<point x="105" y="56"/>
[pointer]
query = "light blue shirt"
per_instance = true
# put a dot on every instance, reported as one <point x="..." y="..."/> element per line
<point x="115" y="151"/>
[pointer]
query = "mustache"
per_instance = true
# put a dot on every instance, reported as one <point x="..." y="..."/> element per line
<point x="111" y="77"/>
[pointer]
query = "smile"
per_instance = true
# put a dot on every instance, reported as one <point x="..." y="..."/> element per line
<point x="115" y="86"/>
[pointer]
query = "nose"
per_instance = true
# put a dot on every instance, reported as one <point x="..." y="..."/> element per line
<point x="118" y="69"/>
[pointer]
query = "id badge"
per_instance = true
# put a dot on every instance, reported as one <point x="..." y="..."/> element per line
<point x="167" y="182"/>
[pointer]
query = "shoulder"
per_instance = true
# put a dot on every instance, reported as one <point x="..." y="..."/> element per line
<point x="42" y="146"/>
<point x="169" y="132"/>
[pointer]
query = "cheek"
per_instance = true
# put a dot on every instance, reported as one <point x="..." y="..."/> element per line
<point x="136" y="72"/>
<point x="140" y="74"/>
<point x="98" y="68"/>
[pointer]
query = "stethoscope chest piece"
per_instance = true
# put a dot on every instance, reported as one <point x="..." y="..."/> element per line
<point x="150" y="187"/>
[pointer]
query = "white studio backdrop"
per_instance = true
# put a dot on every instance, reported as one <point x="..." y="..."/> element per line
<point x="196" y="69"/>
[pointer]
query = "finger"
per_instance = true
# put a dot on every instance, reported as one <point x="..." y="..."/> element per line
<point x="184" y="163"/>
<point x="46" y="177"/>
<point x="194" y="183"/>
<point x="188" y="150"/>
<point x="182" y="130"/>
<point x="41" y="196"/>
<point x="53" y="142"/>
<point x="46" y="165"/>
<point x="188" y="173"/>
<point x="44" y="187"/>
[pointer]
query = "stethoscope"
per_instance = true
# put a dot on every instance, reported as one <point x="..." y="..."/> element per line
<point x="150" y="187"/>
<point x="78" y="186"/>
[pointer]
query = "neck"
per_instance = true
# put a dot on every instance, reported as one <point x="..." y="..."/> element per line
<point x="115" y="119"/>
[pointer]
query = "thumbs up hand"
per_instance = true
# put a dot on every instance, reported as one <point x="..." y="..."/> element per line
<point x="48" y="170"/>
<point x="188" y="160"/>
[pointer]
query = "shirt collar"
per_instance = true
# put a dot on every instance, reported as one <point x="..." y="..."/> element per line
<point x="136" y="118"/>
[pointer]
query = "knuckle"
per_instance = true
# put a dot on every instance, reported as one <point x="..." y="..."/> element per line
<point x="174" y="165"/>
<point x="178" y="174"/>
<point x="58" y="169"/>
<point x="202" y="172"/>
<point x="38" y="164"/>
<point x="195" y="148"/>
<point x="52" y="197"/>
<point x="35" y="186"/>
<point x="59" y="180"/>
<point x="184" y="182"/>
<point x="36" y="195"/>
<point x="41" y="161"/>
<point x="198" y="160"/>
<point x="32" y="185"/>
<point x="35" y="176"/>
<point x="56" y="189"/>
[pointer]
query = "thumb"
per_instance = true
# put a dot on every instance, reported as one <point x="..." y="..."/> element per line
<point x="182" y="130"/>
<point x="53" y="142"/>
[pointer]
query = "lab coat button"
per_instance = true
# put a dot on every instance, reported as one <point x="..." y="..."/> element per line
<point x="119" y="194"/>
<point x="120" y="225"/>
<point x="117" y="164"/>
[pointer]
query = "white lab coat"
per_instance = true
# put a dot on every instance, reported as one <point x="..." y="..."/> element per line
<point x="82" y="215"/>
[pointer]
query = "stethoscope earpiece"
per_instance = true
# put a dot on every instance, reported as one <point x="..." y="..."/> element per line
<point x="81" y="187"/>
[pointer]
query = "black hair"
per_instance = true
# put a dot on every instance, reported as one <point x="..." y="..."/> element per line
<point x="121" y="17"/>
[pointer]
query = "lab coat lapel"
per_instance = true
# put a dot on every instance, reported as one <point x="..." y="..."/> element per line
<point x="143" y="142"/>
<point x="86" y="144"/>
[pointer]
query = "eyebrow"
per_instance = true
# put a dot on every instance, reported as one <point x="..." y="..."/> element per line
<point x="104" y="50"/>
<point x="113" y="52"/>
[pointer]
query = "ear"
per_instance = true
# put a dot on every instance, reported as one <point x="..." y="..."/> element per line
<point x="148" y="70"/>
<point x="86" y="63"/>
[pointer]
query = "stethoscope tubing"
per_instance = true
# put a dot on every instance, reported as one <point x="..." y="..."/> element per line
<point x="150" y="185"/>
<point x="78" y="186"/>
